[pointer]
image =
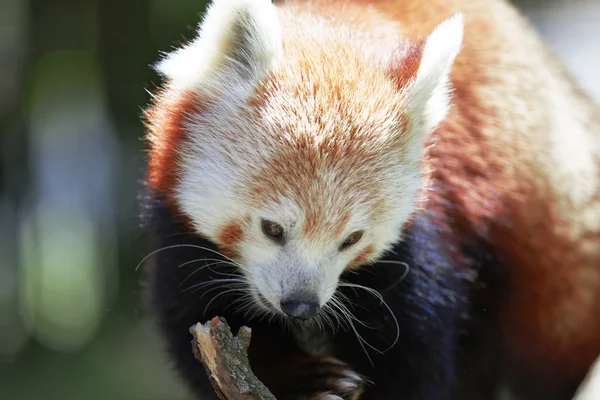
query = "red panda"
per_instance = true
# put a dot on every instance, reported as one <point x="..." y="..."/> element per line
<point x="401" y="199"/>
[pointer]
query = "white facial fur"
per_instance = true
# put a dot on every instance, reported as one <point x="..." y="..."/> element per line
<point x="299" y="265"/>
<point x="239" y="43"/>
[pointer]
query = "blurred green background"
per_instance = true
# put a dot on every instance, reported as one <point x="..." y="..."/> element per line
<point x="74" y="76"/>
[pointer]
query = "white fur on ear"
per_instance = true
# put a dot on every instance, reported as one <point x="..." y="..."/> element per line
<point x="429" y="95"/>
<point x="240" y="38"/>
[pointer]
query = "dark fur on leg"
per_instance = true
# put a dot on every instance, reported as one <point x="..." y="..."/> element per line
<point x="430" y="304"/>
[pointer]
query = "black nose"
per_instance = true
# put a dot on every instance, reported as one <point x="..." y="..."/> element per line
<point x="300" y="308"/>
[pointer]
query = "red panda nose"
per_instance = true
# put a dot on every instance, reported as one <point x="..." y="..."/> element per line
<point x="300" y="308"/>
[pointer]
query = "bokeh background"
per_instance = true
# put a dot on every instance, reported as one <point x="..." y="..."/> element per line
<point x="74" y="76"/>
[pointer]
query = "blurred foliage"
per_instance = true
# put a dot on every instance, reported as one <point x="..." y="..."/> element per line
<point x="72" y="317"/>
<point x="72" y="79"/>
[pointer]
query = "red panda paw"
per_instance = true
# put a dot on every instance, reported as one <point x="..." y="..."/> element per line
<point x="327" y="378"/>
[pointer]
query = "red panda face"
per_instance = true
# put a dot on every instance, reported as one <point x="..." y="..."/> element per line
<point x="287" y="256"/>
<point x="302" y="155"/>
<point x="303" y="178"/>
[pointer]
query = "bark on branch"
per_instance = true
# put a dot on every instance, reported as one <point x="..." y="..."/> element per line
<point x="225" y="359"/>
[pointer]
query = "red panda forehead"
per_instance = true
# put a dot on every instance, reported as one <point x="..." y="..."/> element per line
<point x="332" y="100"/>
<point x="335" y="125"/>
<point x="328" y="198"/>
<point x="313" y="81"/>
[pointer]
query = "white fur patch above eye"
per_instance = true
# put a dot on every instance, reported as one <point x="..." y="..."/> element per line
<point x="429" y="95"/>
<point x="240" y="38"/>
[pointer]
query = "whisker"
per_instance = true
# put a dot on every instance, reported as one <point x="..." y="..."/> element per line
<point x="349" y="315"/>
<point x="186" y="245"/>
<point x="341" y="322"/>
<point x="397" y="281"/>
<point x="197" y="270"/>
<point x="391" y="262"/>
<point x="205" y="259"/>
<point x="328" y="319"/>
<point x="234" y="273"/>
<point x="217" y="288"/>
<point x="351" y="303"/>
<point x="378" y="295"/>
<point x="336" y="306"/>
<point x="212" y="282"/>
<point x="361" y="341"/>
<point x="245" y="297"/>
<point x="220" y="294"/>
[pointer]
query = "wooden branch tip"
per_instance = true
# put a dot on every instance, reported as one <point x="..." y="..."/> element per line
<point x="225" y="359"/>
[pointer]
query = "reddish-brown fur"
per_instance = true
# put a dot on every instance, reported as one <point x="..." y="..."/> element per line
<point x="229" y="238"/>
<point x="231" y="234"/>
<point x="550" y="312"/>
<point x="165" y="125"/>
<point x="362" y="257"/>
<point x="405" y="63"/>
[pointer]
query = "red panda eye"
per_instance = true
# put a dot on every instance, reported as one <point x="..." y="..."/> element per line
<point x="351" y="239"/>
<point x="273" y="231"/>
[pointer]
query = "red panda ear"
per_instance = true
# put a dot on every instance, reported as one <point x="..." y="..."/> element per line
<point x="237" y="40"/>
<point x="422" y="70"/>
<point x="404" y="62"/>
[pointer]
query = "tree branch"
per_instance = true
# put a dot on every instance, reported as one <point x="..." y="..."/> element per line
<point x="225" y="359"/>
